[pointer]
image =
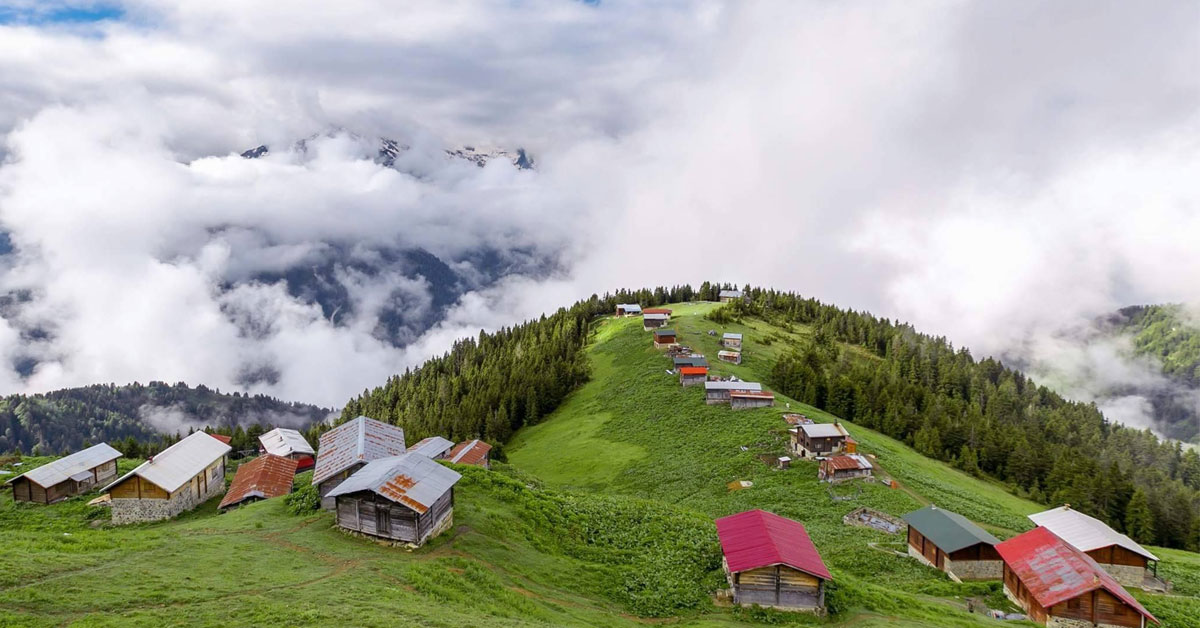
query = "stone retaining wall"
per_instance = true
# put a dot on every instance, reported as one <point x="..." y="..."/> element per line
<point x="976" y="569"/>
<point x="1127" y="575"/>
<point x="126" y="510"/>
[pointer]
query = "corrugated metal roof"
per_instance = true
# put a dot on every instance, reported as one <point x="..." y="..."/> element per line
<point x="948" y="530"/>
<point x="756" y="538"/>
<point x="1054" y="571"/>
<point x="664" y="332"/>
<point x="731" y="336"/>
<point x="731" y="294"/>
<point x="282" y="441"/>
<point x="264" y="477"/>
<point x="470" y="452"/>
<point x="823" y="430"/>
<point x="70" y="466"/>
<point x="630" y="307"/>
<point x="655" y="317"/>
<point x="1084" y="532"/>
<point x="849" y="461"/>
<point x="223" y="438"/>
<point x="413" y="480"/>
<point x="694" y="360"/>
<point x="359" y="440"/>
<point x="178" y="464"/>
<point x="693" y="370"/>
<point x="432" y="447"/>
<point x="732" y="386"/>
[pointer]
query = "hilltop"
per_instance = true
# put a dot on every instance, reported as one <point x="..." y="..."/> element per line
<point x="603" y="514"/>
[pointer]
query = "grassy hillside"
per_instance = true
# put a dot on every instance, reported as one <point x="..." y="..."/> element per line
<point x="634" y="431"/>
<point x="602" y="518"/>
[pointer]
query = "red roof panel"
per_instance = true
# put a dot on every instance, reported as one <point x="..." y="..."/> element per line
<point x="693" y="370"/>
<point x="470" y="452"/>
<point x="656" y="310"/>
<point x="264" y="477"/>
<point x="1054" y="571"/>
<point x="223" y="438"/>
<point x="756" y="538"/>
<point x="756" y="394"/>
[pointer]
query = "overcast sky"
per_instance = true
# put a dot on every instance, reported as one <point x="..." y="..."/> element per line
<point x="993" y="172"/>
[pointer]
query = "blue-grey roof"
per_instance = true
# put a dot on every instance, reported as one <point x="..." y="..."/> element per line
<point x="732" y="336"/>
<point x="410" y="479"/>
<point x="432" y="447"/>
<point x="948" y="530"/>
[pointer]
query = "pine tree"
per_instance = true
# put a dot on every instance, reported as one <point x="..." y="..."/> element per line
<point x="1139" y="521"/>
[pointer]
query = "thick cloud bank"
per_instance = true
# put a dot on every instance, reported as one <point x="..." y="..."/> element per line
<point x="994" y="172"/>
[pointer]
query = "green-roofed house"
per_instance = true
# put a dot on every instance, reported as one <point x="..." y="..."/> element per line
<point x="951" y="542"/>
<point x="664" y="338"/>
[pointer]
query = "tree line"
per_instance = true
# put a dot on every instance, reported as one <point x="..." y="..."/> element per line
<point x="983" y="417"/>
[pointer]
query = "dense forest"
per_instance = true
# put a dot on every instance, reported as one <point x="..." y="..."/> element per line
<point x="984" y="418"/>
<point x="66" y="420"/>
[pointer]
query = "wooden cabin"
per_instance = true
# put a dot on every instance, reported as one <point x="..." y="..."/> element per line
<point x="664" y="338"/>
<point x="657" y="310"/>
<point x="726" y="296"/>
<point x="628" y="309"/>
<point x="1059" y="585"/>
<point x="434" y="447"/>
<point x="818" y="439"/>
<point x="692" y="375"/>
<point x="177" y="479"/>
<point x="264" y="477"/>
<point x="732" y="341"/>
<point x="733" y="357"/>
<point x="716" y="392"/>
<point x="654" y="321"/>
<point x="1119" y="555"/>
<point x="952" y="543"/>
<point x="289" y="443"/>
<point x="748" y="399"/>
<point x="407" y="498"/>
<point x="771" y="561"/>
<point x="473" y="452"/>
<point x="68" y="476"/>
<point x="348" y="447"/>
<point x="844" y="467"/>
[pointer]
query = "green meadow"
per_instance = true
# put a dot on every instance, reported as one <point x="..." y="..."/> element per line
<point x="602" y="516"/>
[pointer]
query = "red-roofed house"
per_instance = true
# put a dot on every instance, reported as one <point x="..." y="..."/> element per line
<point x="264" y="477"/>
<point x="470" y="452"/>
<point x="1059" y="585"/>
<point x="692" y="375"/>
<point x="223" y="438"/>
<point x="770" y="561"/>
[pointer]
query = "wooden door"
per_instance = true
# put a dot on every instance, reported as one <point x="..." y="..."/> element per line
<point x="383" y="520"/>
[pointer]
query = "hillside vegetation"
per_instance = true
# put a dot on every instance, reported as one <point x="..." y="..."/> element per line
<point x="65" y="420"/>
<point x="1168" y="335"/>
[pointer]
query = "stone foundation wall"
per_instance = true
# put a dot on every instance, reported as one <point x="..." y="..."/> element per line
<point x="1063" y="622"/>
<point x="976" y="569"/>
<point x="1127" y="575"/>
<point x="126" y="510"/>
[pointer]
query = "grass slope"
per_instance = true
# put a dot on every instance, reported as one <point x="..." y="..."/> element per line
<point x="667" y="445"/>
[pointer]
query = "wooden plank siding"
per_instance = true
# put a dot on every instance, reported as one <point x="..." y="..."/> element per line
<point x="25" y="489"/>
<point x="134" y="487"/>
<point x="1117" y="555"/>
<point x="979" y="551"/>
<point x="777" y="585"/>
<point x="372" y="514"/>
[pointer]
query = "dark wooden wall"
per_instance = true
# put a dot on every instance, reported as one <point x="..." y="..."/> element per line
<point x="372" y="514"/>
<point x="1117" y="555"/>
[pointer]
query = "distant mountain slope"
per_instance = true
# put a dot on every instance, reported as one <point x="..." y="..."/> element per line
<point x="63" y="420"/>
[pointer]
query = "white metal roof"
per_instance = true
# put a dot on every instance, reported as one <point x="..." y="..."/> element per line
<point x="1084" y="532"/>
<point x="413" y="480"/>
<point x="432" y="447"/>
<point x="179" y="463"/>
<point x="731" y="293"/>
<point x="282" y="441"/>
<point x="630" y="307"/>
<point x="76" y="464"/>
<point x="656" y="317"/>
<point x="732" y="336"/>
<point x="823" y="430"/>
<point x="732" y="386"/>
<point x="359" y="440"/>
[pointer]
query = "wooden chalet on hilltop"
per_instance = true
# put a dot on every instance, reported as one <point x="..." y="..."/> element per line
<point x="1119" y="555"/>
<point x="665" y="338"/>
<point x="949" y="541"/>
<point x="717" y="392"/>
<point x="628" y="309"/>
<point x="654" y="321"/>
<point x="178" y="478"/>
<point x="1059" y="585"/>
<point x="844" y="467"/>
<point x="407" y="498"/>
<point x="289" y="443"/>
<point x="473" y="452"/>
<point x="692" y="375"/>
<point x="264" y="477"/>
<point x="66" y="477"/>
<point x="749" y="399"/>
<point x="733" y="357"/>
<point x="726" y="296"/>
<point x="348" y="447"/>
<point x="732" y="341"/>
<point x="811" y="440"/>
<point x="770" y="561"/>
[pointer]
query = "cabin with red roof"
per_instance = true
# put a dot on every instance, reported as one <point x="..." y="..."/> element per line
<point x="473" y="452"/>
<point x="264" y="477"/>
<point x="1059" y="585"/>
<point x="844" y="467"/>
<point x="692" y="375"/>
<point x="771" y="561"/>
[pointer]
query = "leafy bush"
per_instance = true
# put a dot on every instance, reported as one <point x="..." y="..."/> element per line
<point x="305" y="500"/>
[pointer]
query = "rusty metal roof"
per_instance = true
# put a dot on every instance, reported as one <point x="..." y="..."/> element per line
<point x="282" y="441"/>
<point x="264" y="477"/>
<point x="432" y="447"/>
<point x="359" y="440"/>
<point x="178" y="464"/>
<point x="470" y="452"/>
<point x="693" y="370"/>
<point x="751" y="394"/>
<point x="1055" y="571"/>
<point x="79" y="463"/>
<point x="413" y="480"/>
<point x="849" y="461"/>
